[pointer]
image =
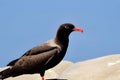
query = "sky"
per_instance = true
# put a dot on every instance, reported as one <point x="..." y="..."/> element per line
<point x="25" y="24"/>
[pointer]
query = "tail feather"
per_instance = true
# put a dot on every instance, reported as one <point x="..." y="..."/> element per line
<point x="1" y="77"/>
<point x="5" y="74"/>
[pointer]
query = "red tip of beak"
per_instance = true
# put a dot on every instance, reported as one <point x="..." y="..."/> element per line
<point x="78" y="29"/>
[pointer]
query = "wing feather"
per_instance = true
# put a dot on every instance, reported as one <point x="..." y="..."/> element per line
<point x="37" y="60"/>
<point x="39" y="54"/>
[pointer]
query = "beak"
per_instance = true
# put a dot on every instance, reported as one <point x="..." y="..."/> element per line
<point x="78" y="29"/>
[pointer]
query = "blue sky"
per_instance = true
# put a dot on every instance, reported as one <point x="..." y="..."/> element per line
<point x="27" y="23"/>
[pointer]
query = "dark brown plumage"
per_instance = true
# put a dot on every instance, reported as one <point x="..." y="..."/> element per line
<point x="42" y="57"/>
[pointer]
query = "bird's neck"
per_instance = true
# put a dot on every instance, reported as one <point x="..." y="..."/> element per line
<point x="62" y="39"/>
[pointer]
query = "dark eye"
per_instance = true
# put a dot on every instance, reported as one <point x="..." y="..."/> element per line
<point x="67" y="27"/>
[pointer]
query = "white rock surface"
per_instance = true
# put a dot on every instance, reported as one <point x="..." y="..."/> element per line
<point x="62" y="67"/>
<point x="103" y="68"/>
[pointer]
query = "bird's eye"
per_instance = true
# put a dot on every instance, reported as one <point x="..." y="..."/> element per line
<point x="67" y="27"/>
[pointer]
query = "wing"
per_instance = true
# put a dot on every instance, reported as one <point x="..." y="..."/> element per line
<point x="28" y="62"/>
<point x="44" y="48"/>
<point x="37" y="50"/>
<point x="12" y="62"/>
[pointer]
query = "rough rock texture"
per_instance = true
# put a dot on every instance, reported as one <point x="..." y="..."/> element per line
<point x="103" y="68"/>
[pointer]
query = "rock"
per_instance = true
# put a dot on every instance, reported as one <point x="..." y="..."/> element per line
<point x="104" y="68"/>
<point x="62" y="66"/>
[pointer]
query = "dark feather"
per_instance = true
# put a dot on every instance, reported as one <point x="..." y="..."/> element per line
<point x="29" y="62"/>
<point x="39" y="49"/>
<point x="34" y="51"/>
<point x="12" y="62"/>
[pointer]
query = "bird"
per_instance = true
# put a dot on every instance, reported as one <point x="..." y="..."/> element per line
<point x="42" y="57"/>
